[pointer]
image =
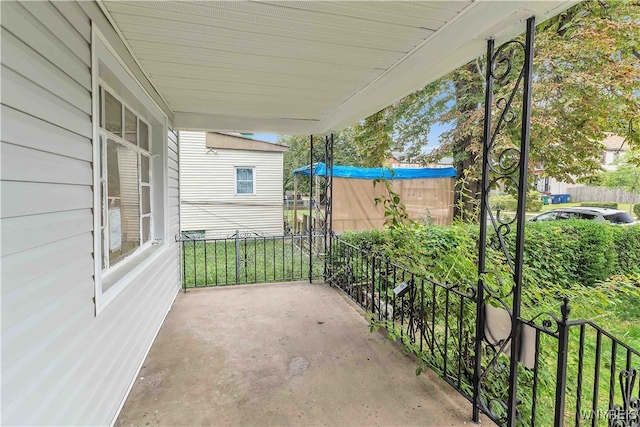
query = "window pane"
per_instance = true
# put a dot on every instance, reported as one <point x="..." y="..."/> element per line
<point x="103" y="185"/>
<point x="245" y="187"/>
<point x="146" y="200"/>
<point x="130" y="127"/>
<point x="146" y="229"/>
<point x="123" y="201"/>
<point x="620" y="218"/>
<point x="112" y="114"/>
<point x="104" y="252"/>
<point x="244" y="174"/>
<point x="100" y="121"/>
<point x="144" y="168"/>
<point x="144" y="135"/>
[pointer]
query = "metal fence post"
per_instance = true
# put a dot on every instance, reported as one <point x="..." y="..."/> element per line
<point x="373" y="284"/>
<point x="237" y="255"/>
<point x="184" y="264"/>
<point x="561" y="371"/>
<point x="311" y="209"/>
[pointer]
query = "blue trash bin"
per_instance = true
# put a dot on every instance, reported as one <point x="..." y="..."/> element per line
<point x="556" y="199"/>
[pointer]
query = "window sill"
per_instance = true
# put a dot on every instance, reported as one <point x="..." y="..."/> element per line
<point x="118" y="280"/>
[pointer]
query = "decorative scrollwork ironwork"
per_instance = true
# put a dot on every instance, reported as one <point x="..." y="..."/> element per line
<point x="507" y="67"/>
<point x="546" y="322"/>
<point x="627" y="414"/>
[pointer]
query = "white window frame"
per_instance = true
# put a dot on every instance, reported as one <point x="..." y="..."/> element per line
<point x="127" y="271"/>
<point x="104" y="136"/>
<point x="235" y="180"/>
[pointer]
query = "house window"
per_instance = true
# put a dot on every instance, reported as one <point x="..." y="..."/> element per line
<point x="245" y="180"/>
<point x="125" y="177"/>
<point x="130" y="209"/>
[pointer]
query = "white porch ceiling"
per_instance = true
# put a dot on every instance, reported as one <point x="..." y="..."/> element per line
<point x="305" y="66"/>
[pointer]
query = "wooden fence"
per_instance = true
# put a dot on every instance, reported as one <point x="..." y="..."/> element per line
<point x="602" y="194"/>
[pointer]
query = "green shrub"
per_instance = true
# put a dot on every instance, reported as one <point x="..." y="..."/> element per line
<point x="534" y="205"/>
<point x="636" y="210"/>
<point x="569" y="252"/>
<point x="366" y="239"/>
<point x="563" y="253"/>
<point x="626" y="242"/>
<point x="611" y="205"/>
<point x="503" y="202"/>
<point x="509" y="203"/>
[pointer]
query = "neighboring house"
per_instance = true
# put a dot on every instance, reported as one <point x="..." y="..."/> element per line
<point x="613" y="146"/>
<point x="393" y="162"/>
<point x="545" y="184"/>
<point x="230" y="182"/>
<point x="445" y="162"/>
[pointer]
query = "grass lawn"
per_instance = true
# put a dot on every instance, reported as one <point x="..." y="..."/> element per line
<point x="217" y="263"/>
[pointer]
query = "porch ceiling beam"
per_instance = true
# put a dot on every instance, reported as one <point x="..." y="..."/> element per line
<point x="220" y="123"/>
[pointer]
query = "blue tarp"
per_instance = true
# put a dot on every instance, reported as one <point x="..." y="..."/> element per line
<point x="375" y="173"/>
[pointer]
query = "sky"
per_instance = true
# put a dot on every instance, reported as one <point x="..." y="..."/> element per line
<point x="269" y="137"/>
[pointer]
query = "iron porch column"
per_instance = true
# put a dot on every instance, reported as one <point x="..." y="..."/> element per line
<point x="311" y="209"/>
<point x="521" y="215"/>
<point x="482" y="242"/>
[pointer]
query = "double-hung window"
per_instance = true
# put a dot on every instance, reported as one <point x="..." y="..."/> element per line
<point x="245" y="180"/>
<point x="125" y="178"/>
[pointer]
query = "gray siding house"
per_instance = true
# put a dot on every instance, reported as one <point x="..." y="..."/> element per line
<point x="93" y="94"/>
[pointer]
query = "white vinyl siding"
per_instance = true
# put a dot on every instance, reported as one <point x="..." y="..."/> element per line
<point x="209" y="199"/>
<point x="62" y="364"/>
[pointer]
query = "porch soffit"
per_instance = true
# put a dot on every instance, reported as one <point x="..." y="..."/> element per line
<point x="305" y="66"/>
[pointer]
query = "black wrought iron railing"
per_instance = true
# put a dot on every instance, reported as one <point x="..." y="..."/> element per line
<point x="434" y="320"/>
<point x="246" y="258"/>
<point x="570" y="372"/>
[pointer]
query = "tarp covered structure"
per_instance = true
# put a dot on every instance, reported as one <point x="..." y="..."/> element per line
<point x="320" y="169"/>
<point x="425" y="192"/>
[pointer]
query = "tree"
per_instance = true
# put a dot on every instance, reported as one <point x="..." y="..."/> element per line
<point x="586" y="82"/>
<point x="627" y="173"/>
<point x="298" y="155"/>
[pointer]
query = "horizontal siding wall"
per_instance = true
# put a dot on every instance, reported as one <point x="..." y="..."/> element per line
<point x="62" y="365"/>
<point x="208" y="199"/>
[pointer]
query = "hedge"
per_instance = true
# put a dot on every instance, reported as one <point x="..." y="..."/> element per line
<point x="564" y="253"/>
<point x="580" y="252"/>
<point x="636" y="210"/>
<point x="600" y="205"/>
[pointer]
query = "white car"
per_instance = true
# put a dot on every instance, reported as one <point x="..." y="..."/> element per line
<point x="613" y="216"/>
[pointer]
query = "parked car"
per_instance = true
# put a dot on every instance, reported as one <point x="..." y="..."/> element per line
<point x="613" y="216"/>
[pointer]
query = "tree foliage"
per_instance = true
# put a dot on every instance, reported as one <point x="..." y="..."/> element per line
<point x="586" y="83"/>
<point x="627" y="173"/>
<point x="299" y="151"/>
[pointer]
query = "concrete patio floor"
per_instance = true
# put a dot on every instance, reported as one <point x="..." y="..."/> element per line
<point x="282" y="354"/>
